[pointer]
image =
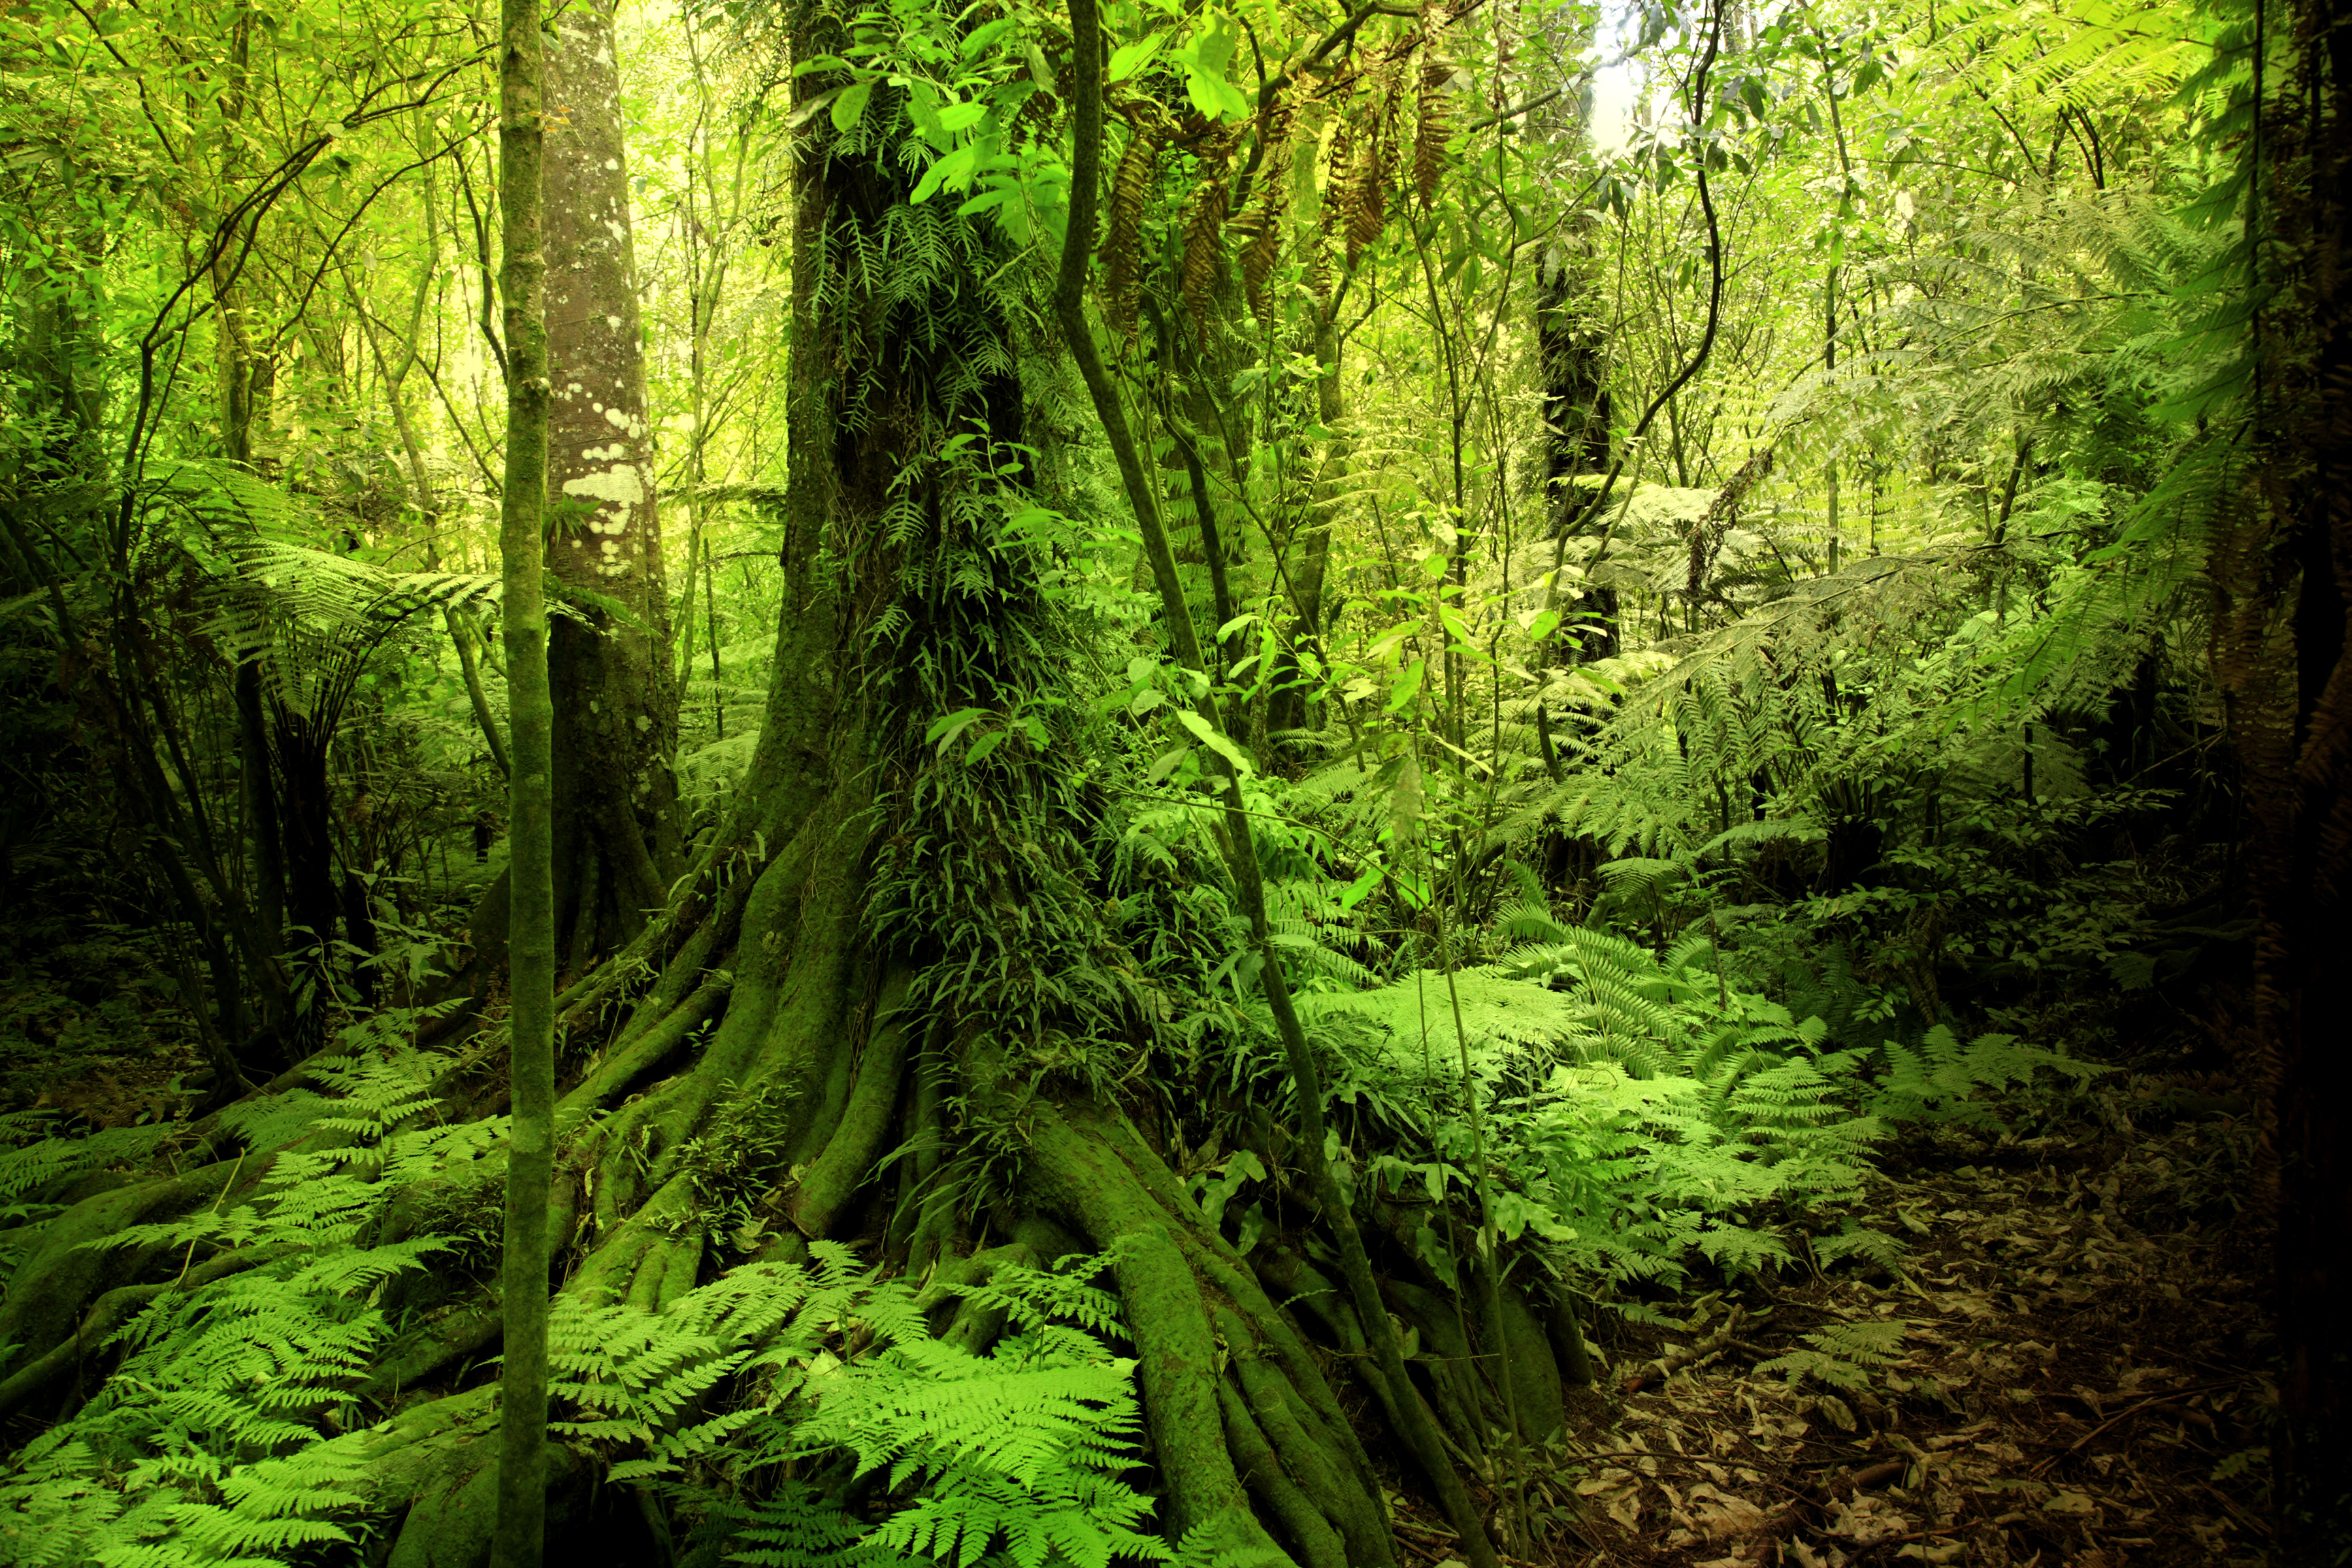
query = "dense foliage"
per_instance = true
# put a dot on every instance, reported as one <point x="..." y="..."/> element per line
<point x="1740" y="616"/>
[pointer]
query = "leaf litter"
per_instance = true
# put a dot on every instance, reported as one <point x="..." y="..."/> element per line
<point x="2066" y="1369"/>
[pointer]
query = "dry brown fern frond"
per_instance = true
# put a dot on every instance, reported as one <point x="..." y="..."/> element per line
<point x="1262" y="226"/>
<point x="1205" y="223"/>
<point x="1366" y="192"/>
<point x="1723" y="513"/>
<point x="1132" y="189"/>
<point x="1434" y="118"/>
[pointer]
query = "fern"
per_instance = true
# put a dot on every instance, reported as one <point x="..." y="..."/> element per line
<point x="1646" y="1112"/>
<point x="46" y="1165"/>
<point x="1021" y="1451"/>
<point x="1843" y="1355"/>
<point x="1935" y="1081"/>
<point x="213" y="1440"/>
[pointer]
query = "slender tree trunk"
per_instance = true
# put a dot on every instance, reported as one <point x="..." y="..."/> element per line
<point x="1576" y="417"/>
<point x="522" y="1438"/>
<point x="1167" y="1408"/>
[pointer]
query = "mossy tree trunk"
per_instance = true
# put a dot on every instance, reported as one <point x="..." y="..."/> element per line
<point x="521" y="1484"/>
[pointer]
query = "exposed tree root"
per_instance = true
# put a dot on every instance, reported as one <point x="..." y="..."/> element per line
<point x="764" y="980"/>
<point x="1197" y="1318"/>
<point x="65" y="1273"/>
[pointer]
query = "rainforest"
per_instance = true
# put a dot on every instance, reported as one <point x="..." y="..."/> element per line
<point x="1255" y="784"/>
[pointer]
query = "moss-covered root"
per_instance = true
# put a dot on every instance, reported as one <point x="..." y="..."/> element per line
<point x="1284" y="1434"/>
<point x="1311" y="1456"/>
<point x="848" y="1150"/>
<point x="1455" y="1326"/>
<point x="796" y="961"/>
<point x="1313" y="1540"/>
<point x="973" y="1326"/>
<point x="63" y="1273"/>
<point x="638" y="1054"/>
<point x="1567" y="1330"/>
<point x="1272" y="1329"/>
<point x="1297" y="1283"/>
<point x="454" y="1503"/>
<point x="1277" y="1369"/>
<point x="110" y="1312"/>
<point x="435" y="1344"/>
<point x="1073" y="1173"/>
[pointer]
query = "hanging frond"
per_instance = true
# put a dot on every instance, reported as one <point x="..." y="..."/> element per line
<point x="1204" y="225"/>
<point x="1133" y="189"/>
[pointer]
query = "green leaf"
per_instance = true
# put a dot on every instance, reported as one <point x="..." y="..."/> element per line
<point x="1165" y="763"/>
<point x="981" y="36"/>
<point x="945" y="730"/>
<point x="952" y="167"/>
<point x="1214" y="739"/>
<point x="988" y="199"/>
<point x="1215" y="97"/>
<point x="1357" y="892"/>
<point x="1128" y="59"/>
<point x="923" y="109"/>
<point x="1435" y="1253"/>
<point x="850" y="107"/>
<point x="1407" y="685"/>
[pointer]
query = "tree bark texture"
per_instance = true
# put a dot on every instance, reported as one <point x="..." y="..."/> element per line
<point x="616" y="827"/>
<point x="1576" y="416"/>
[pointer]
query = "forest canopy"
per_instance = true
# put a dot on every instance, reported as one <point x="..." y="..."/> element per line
<point x="1131" y="781"/>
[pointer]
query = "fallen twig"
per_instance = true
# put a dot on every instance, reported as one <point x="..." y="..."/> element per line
<point x="2122" y="1416"/>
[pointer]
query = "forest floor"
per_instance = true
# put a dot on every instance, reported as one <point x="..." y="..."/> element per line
<point x="2079" y="1383"/>
<point x="2080" y="1380"/>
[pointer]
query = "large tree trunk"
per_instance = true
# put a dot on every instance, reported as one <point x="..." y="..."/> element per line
<point x="2281" y="649"/>
<point x="615" y="698"/>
